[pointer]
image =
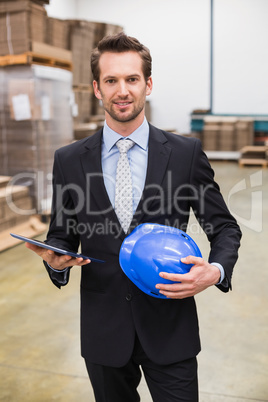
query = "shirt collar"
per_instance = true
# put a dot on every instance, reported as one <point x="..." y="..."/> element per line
<point x="140" y="136"/>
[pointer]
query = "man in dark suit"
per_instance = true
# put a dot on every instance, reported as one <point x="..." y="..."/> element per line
<point x="122" y="328"/>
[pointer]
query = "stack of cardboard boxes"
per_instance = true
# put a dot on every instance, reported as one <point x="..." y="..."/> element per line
<point x="35" y="120"/>
<point x="81" y="44"/>
<point x="81" y="34"/>
<point x="21" y="23"/>
<point x="244" y="132"/>
<point x="227" y="133"/>
<point x="57" y="33"/>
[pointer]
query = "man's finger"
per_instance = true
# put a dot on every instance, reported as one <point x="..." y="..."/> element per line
<point x="191" y="259"/>
<point x="38" y="250"/>
<point x="172" y="276"/>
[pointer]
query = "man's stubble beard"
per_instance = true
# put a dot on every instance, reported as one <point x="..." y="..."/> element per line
<point x="120" y="116"/>
<point x="124" y="119"/>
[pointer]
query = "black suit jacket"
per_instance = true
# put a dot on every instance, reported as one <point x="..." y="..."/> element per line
<point x="113" y="309"/>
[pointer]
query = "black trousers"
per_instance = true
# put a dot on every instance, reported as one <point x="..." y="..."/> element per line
<point x="167" y="383"/>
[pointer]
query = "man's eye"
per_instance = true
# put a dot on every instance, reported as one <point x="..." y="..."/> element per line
<point x="132" y="79"/>
<point x="110" y="81"/>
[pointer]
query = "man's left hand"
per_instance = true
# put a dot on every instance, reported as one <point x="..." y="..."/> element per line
<point x="200" y="277"/>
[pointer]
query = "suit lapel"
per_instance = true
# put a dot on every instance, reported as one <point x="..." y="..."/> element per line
<point x="91" y="163"/>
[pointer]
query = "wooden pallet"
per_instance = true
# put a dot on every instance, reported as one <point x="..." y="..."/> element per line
<point x="252" y="162"/>
<point x="4" y="180"/>
<point x="254" y="155"/>
<point x="254" y="148"/>
<point x="83" y="88"/>
<point x="41" y="54"/>
<point x="34" y="58"/>
<point x="34" y="227"/>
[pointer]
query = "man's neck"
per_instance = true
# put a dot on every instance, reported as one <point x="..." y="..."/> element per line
<point x="125" y="128"/>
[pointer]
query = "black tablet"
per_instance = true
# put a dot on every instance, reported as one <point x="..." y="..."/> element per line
<point x="53" y="248"/>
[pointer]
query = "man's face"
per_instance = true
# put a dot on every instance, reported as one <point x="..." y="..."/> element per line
<point x="122" y="86"/>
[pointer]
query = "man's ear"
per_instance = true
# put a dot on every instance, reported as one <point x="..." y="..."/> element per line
<point x="149" y="86"/>
<point x="96" y="90"/>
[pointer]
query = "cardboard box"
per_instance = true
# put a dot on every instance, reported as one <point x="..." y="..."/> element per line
<point x="81" y="44"/>
<point x="9" y="6"/>
<point x="99" y="32"/>
<point x="29" y="99"/>
<point x="53" y="52"/>
<point x="210" y="137"/>
<point x="227" y="137"/>
<point x="234" y="132"/>
<point x="57" y="33"/>
<point x="15" y="206"/>
<point x="21" y="100"/>
<point x="83" y="101"/>
<point x="244" y="133"/>
<point x="21" y="22"/>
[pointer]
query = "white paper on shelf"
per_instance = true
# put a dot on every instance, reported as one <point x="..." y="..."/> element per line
<point x="75" y="110"/>
<point x="21" y="107"/>
<point x="45" y="107"/>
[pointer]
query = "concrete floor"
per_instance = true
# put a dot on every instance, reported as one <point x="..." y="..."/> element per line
<point x="39" y="340"/>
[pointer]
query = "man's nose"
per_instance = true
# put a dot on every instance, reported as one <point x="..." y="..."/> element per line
<point x="122" y="88"/>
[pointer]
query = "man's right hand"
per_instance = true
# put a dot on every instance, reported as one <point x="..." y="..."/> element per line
<point x="58" y="262"/>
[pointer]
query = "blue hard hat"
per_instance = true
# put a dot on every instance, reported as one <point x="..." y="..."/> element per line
<point x="152" y="248"/>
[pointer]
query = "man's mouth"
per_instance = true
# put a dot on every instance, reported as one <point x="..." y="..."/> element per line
<point x="122" y="104"/>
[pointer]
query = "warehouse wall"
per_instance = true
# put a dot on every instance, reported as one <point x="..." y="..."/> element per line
<point x="178" y="35"/>
<point x="240" y="56"/>
<point x="62" y="8"/>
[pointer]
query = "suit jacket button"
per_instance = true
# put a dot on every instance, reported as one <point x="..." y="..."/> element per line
<point x="128" y="297"/>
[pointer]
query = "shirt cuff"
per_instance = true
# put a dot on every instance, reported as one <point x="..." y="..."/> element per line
<point x="216" y="264"/>
<point x="58" y="270"/>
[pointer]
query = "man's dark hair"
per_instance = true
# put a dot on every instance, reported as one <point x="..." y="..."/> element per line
<point x="120" y="43"/>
